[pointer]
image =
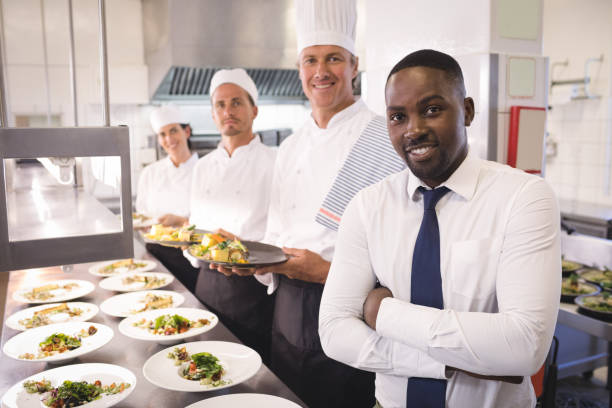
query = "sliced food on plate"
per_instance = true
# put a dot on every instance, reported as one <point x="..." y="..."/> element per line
<point x="173" y="236"/>
<point x="43" y="315"/>
<point x="72" y="386"/>
<point x="215" y="248"/>
<point x="110" y="268"/>
<point x="137" y="281"/>
<point x="572" y="287"/>
<point x="56" y="291"/>
<point x="142" y="220"/>
<point x="127" y="304"/>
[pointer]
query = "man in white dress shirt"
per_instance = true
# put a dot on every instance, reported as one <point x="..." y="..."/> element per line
<point x="231" y="190"/>
<point x="499" y="258"/>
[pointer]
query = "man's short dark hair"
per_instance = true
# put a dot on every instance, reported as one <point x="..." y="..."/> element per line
<point x="431" y="59"/>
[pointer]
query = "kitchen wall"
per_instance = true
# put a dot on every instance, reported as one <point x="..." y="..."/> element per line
<point x="580" y="130"/>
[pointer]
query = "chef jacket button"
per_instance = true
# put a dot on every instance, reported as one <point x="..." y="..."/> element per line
<point x="293" y="207"/>
<point x="299" y="171"/>
<point x="237" y="192"/>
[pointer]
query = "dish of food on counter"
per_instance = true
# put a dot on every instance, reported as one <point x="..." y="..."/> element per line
<point x="572" y="287"/>
<point x="142" y="221"/>
<point x="568" y="267"/>
<point x="242" y="254"/>
<point x="43" y="315"/>
<point x="599" y="306"/>
<point x="58" y="342"/>
<point x="111" y="268"/>
<point x="72" y="385"/>
<point x="171" y="236"/>
<point x="167" y="326"/>
<point x="56" y="291"/>
<point x="137" y="281"/>
<point x="202" y="366"/>
<point x="599" y="277"/>
<point x="136" y="302"/>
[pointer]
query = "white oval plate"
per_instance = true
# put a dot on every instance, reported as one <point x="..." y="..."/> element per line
<point x="116" y="284"/>
<point x="17" y="397"/>
<point x="240" y="363"/>
<point x="89" y="311"/>
<point x="124" y="305"/>
<point x="27" y="342"/>
<point x="97" y="269"/>
<point x="127" y="328"/>
<point x="59" y="295"/>
<point x="245" y="400"/>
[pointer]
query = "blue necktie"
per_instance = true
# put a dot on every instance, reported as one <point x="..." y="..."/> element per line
<point x="426" y="290"/>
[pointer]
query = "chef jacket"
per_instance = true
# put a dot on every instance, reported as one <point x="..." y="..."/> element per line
<point x="499" y="262"/>
<point x="308" y="162"/>
<point x="233" y="193"/>
<point x="164" y="188"/>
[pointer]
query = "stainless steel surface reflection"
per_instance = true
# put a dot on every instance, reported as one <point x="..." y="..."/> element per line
<point x="125" y="351"/>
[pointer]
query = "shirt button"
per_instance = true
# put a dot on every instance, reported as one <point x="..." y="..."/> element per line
<point x="299" y="171"/>
<point x="293" y="207"/>
<point x="237" y="192"/>
<point x="207" y="191"/>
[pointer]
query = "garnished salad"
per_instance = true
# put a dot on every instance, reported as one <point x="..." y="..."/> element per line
<point x="203" y="367"/>
<point x="215" y="248"/>
<point x="72" y="393"/>
<point x="167" y="325"/>
<point x="58" y="343"/>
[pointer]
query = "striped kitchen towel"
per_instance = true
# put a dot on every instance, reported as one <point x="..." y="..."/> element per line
<point x="371" y="159"/>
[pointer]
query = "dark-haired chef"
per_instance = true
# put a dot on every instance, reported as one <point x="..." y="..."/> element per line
<point x="231" y="191"/>
<point x="467" y="252"/>
<point x="164" y="187"/>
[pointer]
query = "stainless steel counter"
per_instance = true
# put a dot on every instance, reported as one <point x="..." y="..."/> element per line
<point x="124" y="351"/>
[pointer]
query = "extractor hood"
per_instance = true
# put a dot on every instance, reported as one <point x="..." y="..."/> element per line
<point x="187" y="41"/>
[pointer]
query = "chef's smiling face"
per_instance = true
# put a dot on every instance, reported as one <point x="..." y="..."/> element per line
<point x="232" y="110"/>
<point x="326" y="72"/>
<point x="427" y="113"/>
<point x="173" y="138"/>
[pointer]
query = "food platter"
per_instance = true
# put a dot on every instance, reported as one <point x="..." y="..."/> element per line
<point x="54" y="291"/>
<point x="135" y="327"/>
<point x="585" y="306"/>
<point x="131" y="282"/>
<point x="127" y="304"/>
<point x="245" y="400"/>
<point x="239" y="362"/>
<point x="43" y="315"/>
<point x="151" y="238"/>
<point x="119" y="266"/>
<point x="602" y="278"/>
<point x="28" y="341"/>
<point x="569" y="267"/>
<point x="17" y="397"/>
<point x="259" y="255"/>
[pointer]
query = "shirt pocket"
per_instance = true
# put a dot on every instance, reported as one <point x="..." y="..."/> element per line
<point x="473" y="266"/>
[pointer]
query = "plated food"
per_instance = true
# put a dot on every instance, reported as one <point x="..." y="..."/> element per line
<point x="137" y="281"/>
<point x="599" y="306"/>
<point x="46" y="314"/>
<point x="572" y="287"/>
<point x="241" y="254"/>
<point x="569" y="267"/>
<point x="245" y="400"/>
<point x="52" y="292"/>
<point x="599" y="277"/>
<point x="170" y="236"/>
<point x="115" y="267"/>
<point x="58" y="342"/>
<point x="131" y="303"/>
<point x="104" y="384"/>
<point x="229" y="363"/>
<point x="167" y="326"/>
<point x="142" y="221"/>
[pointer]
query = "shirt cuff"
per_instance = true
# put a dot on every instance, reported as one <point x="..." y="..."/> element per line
<point x="270" y="280"/>
<point x="405" y="322"/>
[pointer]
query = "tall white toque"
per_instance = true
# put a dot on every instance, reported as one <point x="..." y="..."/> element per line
<point x="326" y="22"/>
<point x="237" y="76"/>
<point x="165" y="115"/>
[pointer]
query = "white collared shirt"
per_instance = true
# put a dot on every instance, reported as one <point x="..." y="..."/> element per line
<point x="164" y="188"/>
<point x="500" y="266"/>
<point x="307" y="164"/>
<point x="233" y="193"/>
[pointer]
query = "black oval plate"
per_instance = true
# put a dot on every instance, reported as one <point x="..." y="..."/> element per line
<point x="570" y="298"/>
<point x="581" y="273"/>
<point x="598" y="314"/>
<point x="260" y="254"/>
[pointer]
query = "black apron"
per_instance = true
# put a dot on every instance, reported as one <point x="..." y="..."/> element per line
<point x="174" y="260"/>
<point x="296" y="354"/>
<point x="242" y="304"/>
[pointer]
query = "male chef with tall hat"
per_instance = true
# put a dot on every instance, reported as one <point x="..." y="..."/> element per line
<point x="231" y="191"/>
<point x="341" y="147"/>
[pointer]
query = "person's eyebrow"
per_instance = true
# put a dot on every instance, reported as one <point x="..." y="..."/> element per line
<point x="430" y="98"/>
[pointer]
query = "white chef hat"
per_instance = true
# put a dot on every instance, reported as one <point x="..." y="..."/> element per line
<point x="325" y="22"/>
<point x="165" y="115"/>
<point x="237" y="76"/>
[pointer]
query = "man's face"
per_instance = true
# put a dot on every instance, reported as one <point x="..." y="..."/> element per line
<point x="426" y="117"/>
<point x="326" y="72"/>
<point x="232" y="111"/>
<point x="173" y="138"/>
